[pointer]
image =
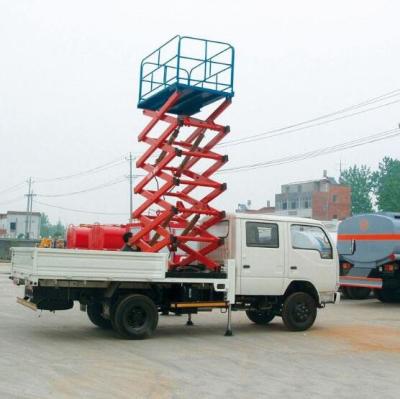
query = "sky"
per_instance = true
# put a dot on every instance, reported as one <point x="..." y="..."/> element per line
<point x="69" y="79"/>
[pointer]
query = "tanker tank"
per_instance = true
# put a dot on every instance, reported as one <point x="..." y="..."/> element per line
<point x="369" y="250"/>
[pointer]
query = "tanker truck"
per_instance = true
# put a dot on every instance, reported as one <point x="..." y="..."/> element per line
<point x="369" y="253"/>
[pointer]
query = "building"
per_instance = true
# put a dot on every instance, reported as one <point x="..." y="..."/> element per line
<point x="321" y="199"/>
<point x="15" y="224"/>
<point x="245" y="208"/>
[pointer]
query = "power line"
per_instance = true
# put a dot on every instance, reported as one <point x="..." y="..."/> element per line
<point x="100" y="168"/>
<point x="110" y="183"/>
<point x="79" y="210"/>
<point x="309" y="123"/>
<point x="98" y="187"/>
<point x="13" y="188"/>
<point x="19" y="198"/>
<point x="315" y="153"/>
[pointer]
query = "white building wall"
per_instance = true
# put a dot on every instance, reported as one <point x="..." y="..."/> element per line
<point x="3" y="225"/>
<point x="18" y="221"/>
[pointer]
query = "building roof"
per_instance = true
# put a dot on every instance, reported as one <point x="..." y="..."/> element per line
<point x="23" y="213"/>
<point x="331" y="180"/>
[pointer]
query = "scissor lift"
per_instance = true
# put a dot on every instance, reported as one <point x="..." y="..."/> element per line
<point x="177" y="81"/>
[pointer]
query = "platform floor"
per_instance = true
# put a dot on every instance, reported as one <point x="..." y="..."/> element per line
<point x="191" y="101"/>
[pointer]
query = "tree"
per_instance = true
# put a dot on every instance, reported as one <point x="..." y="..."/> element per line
<point x="360" y="180"/>
<point x="387" y="185"/>
<point x="51" y="230"/>
<point x="44" y="225"/>
<point x="57" y="230"/>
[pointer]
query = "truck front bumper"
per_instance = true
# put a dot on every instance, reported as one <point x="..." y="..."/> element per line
<point x="329" y="297"/>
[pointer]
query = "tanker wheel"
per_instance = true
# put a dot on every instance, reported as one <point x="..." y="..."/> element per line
<point x="299" y="311"/>
<point x="260" y="316"/>
<point x="358" y="292"/>
<point x="344" y="293"/>
<point x="387" y="296"/>
<point x="94" y="311"/>
<point x="135" y="317"/>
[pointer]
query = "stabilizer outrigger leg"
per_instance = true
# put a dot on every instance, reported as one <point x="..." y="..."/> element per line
<point x="228" y="332"/>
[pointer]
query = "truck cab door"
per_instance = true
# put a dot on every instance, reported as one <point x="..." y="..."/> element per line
<point x="262" y="263"/>
<point x="312" y="257"/>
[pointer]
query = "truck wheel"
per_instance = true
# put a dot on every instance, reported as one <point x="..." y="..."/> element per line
<point x="135" y="317"/>
<point x="387" y="296"/>
<point x="345" y="294"/>
<point x="260" y="316"/>
<point x="94" y="311"/>
<point x="358" y="292"/>
<point x="299" y="311"/>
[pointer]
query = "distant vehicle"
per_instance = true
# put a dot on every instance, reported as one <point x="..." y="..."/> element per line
<point x="270" y="266"/>
<point x="48" y="242"/>
<point x="369" y="251"/>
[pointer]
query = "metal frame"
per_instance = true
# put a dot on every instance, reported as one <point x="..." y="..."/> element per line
<point x="177" y="166"/>
<point x="213" y="72"/>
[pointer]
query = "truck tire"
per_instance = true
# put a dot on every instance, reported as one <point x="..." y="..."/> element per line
<point x="358" y="292"/>
<point x="260" y="316"/>
<point x="344" y="293"/>
<point x="387" y="296"/>
<point x="299" y="311"/>
<point x="94" y="311"/>
<point x="135" y="317"/>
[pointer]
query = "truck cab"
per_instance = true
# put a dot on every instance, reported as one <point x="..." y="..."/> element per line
<point x="272" y="252"/>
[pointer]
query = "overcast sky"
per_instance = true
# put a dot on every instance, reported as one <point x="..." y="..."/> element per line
<point x="69" y="86"/>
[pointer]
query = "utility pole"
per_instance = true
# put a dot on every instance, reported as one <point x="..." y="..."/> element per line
<point x="28" y="207"/>
<point x="30" y="211"/>
<point x="28" y="218"/>
<point x="130" y="188"/>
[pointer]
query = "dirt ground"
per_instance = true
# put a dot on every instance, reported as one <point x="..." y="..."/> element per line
<point x="353" y="351"/>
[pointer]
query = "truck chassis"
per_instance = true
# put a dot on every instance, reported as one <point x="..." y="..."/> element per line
<point x="131" y="306"/>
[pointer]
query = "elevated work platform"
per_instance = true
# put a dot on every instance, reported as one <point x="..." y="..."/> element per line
<point x="176" y="81"/>
<point x="201" y="70"/>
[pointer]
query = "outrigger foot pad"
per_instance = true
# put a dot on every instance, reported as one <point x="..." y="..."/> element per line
<point x="189" y="321"/>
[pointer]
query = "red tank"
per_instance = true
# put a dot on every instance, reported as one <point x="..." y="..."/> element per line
<point x="106" y="237"/>
<point x="78" y="237"/>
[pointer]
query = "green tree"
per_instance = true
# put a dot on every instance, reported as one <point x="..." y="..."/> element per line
<point x="360" y="180"/>
<point x="44" y="225"/>
<point x="48" y="229"/>
<point x="387" y="185"/>
<point x="57" y="230"/>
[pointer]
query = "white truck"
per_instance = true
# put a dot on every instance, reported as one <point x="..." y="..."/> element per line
<point x="271" y="266"/>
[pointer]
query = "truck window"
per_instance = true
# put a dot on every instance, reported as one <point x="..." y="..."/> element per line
<point x="311" y="238"/>
<point x="262" y="235"/>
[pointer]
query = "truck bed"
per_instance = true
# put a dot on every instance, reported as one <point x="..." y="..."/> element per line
<point x="34" y="264"/>
<point x="78" y="267"/>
